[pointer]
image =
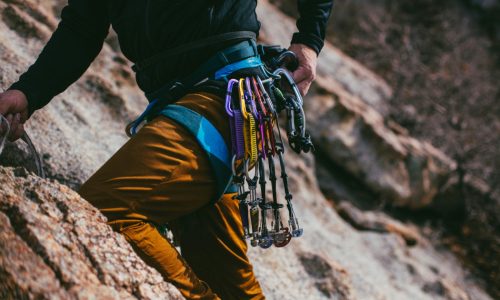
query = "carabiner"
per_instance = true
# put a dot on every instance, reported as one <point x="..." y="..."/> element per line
<point x="229" y="95"/>
<point x="291" y="82"/>
<point x="251" y="98"/>
<point x="266" y="97"/>
<point x="247" y="172"/>
<point x="243" y="106"/>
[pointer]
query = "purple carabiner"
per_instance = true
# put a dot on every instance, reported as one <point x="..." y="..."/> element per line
<point x="251" y="99"/>
<point x="235" y="123"/>
<point x="229" y="94"/>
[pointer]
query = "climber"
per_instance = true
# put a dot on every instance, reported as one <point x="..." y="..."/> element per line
<point x="162" y="175"/>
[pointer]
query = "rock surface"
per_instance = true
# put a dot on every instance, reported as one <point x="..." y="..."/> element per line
<point x="346" y="110"/>
<point x="55" y="245"/>
<point x="334" y="67"/>
<point x="333" y="260"/>
<point x="83" y="127"/>
<point x="398" y="168"/>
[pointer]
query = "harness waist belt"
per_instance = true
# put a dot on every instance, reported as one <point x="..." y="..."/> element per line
<point x="195" y="45"/>
<point x="175" y="89"/>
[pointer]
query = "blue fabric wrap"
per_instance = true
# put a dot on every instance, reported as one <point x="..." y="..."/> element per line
<point x="210" y="140"/>
<point x="251" y="62"/>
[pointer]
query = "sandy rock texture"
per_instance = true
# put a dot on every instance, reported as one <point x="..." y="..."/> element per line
<point x="398" y="168"/>
<point x="89" y="116"/>
<point x="83" y="127"/>
<point x="55" y="245"/>
<point x="372" y="256"/>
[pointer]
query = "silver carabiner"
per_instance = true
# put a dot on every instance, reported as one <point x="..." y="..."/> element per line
<point x="291" y="82"/>
<point x="247" y="172"/>
<point x="267" y="99"/>
<point x="298" y="100"/>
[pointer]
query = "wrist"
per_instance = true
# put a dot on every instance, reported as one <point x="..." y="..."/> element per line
<point x="311" y="41"/>
<point x="304" y="48"/>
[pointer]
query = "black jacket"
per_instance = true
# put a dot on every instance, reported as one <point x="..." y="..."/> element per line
<point x="144" y="28"/>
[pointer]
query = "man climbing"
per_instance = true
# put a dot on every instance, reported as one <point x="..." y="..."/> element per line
<point x="162" y="175"/>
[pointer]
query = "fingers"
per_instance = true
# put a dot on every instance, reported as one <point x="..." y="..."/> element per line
<point x="14" y="107"/>
<point x="16" y="126"/>
<point x="300" y="74"/>
<point x="16" y="121"/>
<point x="17" y="133"/>
<point x="13" y="102"/>
<point x="303" y="78"/>
<point x="306" y="72"/>
<point x="3" y="106"/>
<point x="304" y="87"/>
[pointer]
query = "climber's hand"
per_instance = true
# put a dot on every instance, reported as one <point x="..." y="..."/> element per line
<point x="14" y="107"/>
<point x="306" y="72"/>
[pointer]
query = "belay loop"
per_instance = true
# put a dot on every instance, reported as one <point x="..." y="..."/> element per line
<point x="255" y="139"/>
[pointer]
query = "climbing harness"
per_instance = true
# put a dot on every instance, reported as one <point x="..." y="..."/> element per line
<point x="4" y="133"/>
<point x="259" y="88"/>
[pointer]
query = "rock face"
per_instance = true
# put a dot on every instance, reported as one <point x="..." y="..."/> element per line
<point x="90" y="116"/>
<point x="346" y="109"/>
<point x="55" y="245"/>
<point x="336" y="68"/>
<point x="400" y="169"/>
<point x="53" y="232"/>
<point x="385" y="259"/>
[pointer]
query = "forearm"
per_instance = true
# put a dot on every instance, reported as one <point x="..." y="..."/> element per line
<point x="314" y="15"/>
<point x="69" y="52"/>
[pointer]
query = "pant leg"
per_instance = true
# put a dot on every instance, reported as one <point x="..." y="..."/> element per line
<point x="158" y="253"/>
<point x="157" y="176"/>
<point x="161" y="175"/>
<point x="212" y="242"/>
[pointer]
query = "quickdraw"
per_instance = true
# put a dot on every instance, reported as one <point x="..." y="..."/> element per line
<point x="256" y="138"/>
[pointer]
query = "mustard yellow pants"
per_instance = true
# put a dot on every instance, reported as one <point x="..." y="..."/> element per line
<point x="162" y="175"/>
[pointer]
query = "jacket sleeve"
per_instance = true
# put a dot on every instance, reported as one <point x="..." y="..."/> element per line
<point x="71" y="49"/>
<point x="314" y="15"/>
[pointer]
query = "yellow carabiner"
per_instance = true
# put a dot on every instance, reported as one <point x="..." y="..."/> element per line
<point x="243" y="105"/>
<point x="249" y="128"/>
